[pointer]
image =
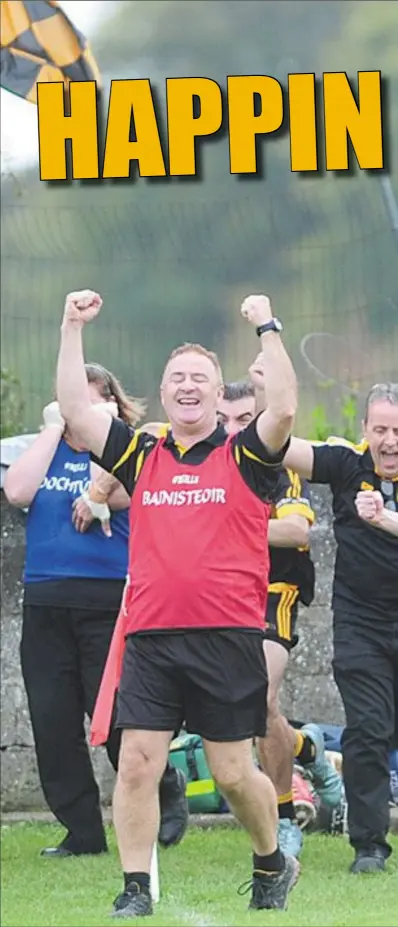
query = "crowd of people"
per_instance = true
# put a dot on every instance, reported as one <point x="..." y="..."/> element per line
<point x="165" y="565"/>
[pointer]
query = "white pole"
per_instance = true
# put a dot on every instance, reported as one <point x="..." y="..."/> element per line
<point x="155" y="887"/>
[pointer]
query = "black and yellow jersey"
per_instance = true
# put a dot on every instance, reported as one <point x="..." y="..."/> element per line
<point x="290" y="566"/>
<point x="127" y="449"/>
<point x="366" y="570"/>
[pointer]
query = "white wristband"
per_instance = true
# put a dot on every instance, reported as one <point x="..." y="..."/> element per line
<point x="99" y="510"/>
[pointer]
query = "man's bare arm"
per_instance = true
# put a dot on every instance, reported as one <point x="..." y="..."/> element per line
<point x="300" y="454"/>
<point x="291" y="531"/>
<point x="274" y="425"/>
<point x="105" y="487"/>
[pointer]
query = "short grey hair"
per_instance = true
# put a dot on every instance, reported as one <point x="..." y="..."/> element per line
<point x="241" y="389"/>
<point x="388" y="391"/>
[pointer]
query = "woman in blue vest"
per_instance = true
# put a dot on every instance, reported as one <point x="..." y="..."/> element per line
<point x="73" y="586"/>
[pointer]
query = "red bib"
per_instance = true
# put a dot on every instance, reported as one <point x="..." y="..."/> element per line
<point x="198" y="558"/>
<point x="198" y="552"/>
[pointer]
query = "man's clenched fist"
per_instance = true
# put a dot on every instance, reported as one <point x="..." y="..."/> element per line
<point x="82" y="306"/>
<point x="257" y="310"/>
<point x="369" y="505"/>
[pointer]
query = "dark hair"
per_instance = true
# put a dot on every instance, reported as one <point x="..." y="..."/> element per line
<point x="242" y="389"/>
<point x="388" y="391"/>
<point x="130" y="410"/>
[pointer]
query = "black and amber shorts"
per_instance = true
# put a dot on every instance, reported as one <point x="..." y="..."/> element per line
<point x="281" y="617"/>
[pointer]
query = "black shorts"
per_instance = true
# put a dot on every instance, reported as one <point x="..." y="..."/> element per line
<point x="214" y="681"/>
<point x="281" y="617"/>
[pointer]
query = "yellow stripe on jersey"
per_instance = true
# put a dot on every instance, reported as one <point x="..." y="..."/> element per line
<point x="130" y="449"/>
<point x="295" y="508"/>
<point x="288" y="596"/>
<point x="138" y="466"/>
<point x="265" y="463"/>
<point x="334" y="441"/>
<point x="294" y="491"/>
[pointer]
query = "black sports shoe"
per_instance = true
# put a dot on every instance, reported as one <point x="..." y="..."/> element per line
<point x="132" y="903"/>
<point x="59" y="852"/>
<point x="174" y="812"/>
<point x="271" y="891"/>
<point x="64" y="850"/>
<point x="371" y="860"/>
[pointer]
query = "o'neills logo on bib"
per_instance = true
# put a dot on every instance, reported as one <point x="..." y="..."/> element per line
<point x="211" y="496"/>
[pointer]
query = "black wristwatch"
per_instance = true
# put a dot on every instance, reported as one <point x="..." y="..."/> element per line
<point x="275" y="325"/>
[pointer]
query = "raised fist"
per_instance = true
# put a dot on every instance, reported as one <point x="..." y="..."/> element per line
<point x="82" y="306"/>
<point x="52" y="417"/>
<point x="257" y="310"/>
<point x="369" y="505"/>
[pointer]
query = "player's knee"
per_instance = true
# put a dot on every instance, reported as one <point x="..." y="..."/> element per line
<point x="230" y="775"/>
<point x="137" y="765"/>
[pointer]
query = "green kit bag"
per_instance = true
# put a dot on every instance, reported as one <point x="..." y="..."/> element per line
<point x="187" y="753"/>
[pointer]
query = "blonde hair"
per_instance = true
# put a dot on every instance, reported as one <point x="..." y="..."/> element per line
<point x="190" y="348"/>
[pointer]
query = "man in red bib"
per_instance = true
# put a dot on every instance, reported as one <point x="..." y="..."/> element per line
<point x="197" y="589"/>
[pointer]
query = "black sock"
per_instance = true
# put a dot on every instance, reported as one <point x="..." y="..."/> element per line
<point x="286" y="810"/>
<point x="305" y="749"/>
<point x="137" y="878"/>
<point x="273" y="863"/>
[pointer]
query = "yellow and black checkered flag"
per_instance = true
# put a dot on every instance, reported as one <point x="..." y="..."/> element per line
<point x="40" y="44"/>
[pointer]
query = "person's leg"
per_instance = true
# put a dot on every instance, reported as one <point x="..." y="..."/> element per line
<point x="364" y="674"/>
<point x="225" y="694"/>
<point x="50" y="669"/>
<point x="276" y="750"/>
<point x="94" y="630"/>
<point x="149" y="710"/>
<point x="307" y="745"/>
<point x="143" y="756"/>
<point x="248" y="791"/>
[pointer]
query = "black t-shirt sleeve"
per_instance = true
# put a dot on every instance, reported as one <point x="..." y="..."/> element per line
<point x="260" y="467"/>
<point x="330" y="462"/>
<point x="122" y="452"/>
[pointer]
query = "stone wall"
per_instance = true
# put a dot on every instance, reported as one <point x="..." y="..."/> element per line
<point x="309" y="692"/>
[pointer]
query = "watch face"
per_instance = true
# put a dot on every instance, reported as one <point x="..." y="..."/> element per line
<point x="278" y="325"/>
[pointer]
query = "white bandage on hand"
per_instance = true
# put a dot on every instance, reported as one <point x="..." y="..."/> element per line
<point x="52" y="416"/>
<point x="98" y="510"/>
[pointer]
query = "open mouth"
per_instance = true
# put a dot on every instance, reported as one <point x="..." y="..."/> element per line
<point x="389" y="458"/>
<point x="184" y="401"/>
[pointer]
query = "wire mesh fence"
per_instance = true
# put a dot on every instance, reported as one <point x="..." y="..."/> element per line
<point x="173" y="261"/>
